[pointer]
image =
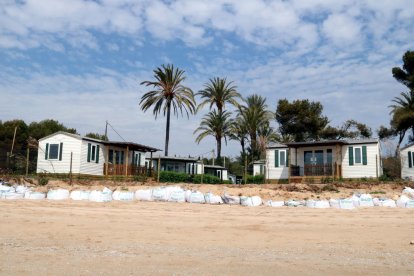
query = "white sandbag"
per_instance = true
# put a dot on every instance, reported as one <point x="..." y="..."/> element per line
<point x="402" y="201"/>
<point x="365" y="200"/>
<point x="80" y="195"/>
<point x="295" y="203"/>
<point x="250" y="201"/>
<point x="388" y="203"/>
<point x="232" y="200"/>
<point x="123" y="196"/>
<point x="322" y="204"/>
<point x="211" y="198"/>
<point x="59" y="194"/>
<point x="356" y="200"/>
<point x="5" y="188"/>
<point x="409" y="192"/>
<point x="376" y="202"/>
<point x="310" y="203"/>
<point x="34" y="195"/>
<point x="346" y="203"/>
<point x="195" y="197"/>
<point x="409" y="204"/>
<point x="272" y="203"/>
<point x="21" y="189"/>
<point x="160" y="194"/>
<point x="143" y="195"/>
<point x="12" y="195"/>
<point x="334" y="203"/>
<point x="101" y="196"/>
<point x="176" y="195"/>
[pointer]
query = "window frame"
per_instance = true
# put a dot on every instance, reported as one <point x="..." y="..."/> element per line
<point x="282" y="159"/>
<point x="50" y="150"/>
<point x="93" y="153"/>
<point x="412" y="159"/>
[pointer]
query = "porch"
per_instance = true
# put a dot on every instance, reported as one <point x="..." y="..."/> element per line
<point x="126" y="170"/>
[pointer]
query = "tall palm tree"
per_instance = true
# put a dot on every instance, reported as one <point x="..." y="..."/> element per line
<point x="266" y="134"/>
<point x="218" y="92"/>
<point x="254" y="114"/>
<point x="216" y="124"/>
<point x="403" y="115"/>
<point x="168" y="93"/>
<point x="238" y="132"/>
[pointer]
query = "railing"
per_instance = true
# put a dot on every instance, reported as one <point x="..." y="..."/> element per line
<point x="312" y="170"/>
<point x="121" y="170"/>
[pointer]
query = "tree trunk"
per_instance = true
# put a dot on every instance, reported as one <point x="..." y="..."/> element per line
<point x="167" y="129"/>
<point x="218" y="148"/>
<point x="243" y="147"/>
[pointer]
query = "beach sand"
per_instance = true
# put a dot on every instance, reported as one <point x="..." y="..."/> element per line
<point x="153" y="238"/>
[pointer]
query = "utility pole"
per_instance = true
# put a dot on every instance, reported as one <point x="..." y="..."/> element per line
<point x="14" y="139"/>
<point x="245" y="169"/>
<point x="106" y="130"/>
<point x="27" y="160"/>
<point x="212" y="152"/>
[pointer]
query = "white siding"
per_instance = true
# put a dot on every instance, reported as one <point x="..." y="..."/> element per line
<point x="406" y="172"/>
<point x="70" y="144"/>
<point x="272" y="171"/>
<point x="92" y="167"/>
<point x="359" y="170"/>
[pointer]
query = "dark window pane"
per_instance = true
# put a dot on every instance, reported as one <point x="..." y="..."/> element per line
<point x="282" y="159"/>
<point x="53" y="151"/>
<point x="93" y="153"/>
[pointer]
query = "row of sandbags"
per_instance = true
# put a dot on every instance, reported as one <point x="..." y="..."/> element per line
<point x="177" y="194"/>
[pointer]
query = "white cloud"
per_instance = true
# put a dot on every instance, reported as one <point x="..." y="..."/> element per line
<point x="342" y="30"/>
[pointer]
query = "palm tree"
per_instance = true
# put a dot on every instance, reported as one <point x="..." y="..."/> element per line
<point x="216" y="124"/>
<point x="168" y="93"/>
<point x="218" y="92"/>
<point x="254" y="114"/>
<point x="266" y="134"/>
<point x="238" y="132"/>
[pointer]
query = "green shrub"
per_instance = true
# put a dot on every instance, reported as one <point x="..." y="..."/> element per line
<point x="227" y="182"/>
<point x="330" y="188"/>
<point x="207" y="179"/>
<point x="139" y="178"/>
<point x="256" y="179"/>
<point x="42" y="180"/>
<point x="326" y="180"/>
<point x="174" y="177"/>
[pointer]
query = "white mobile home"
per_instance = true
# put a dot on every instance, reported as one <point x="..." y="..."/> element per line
<point x="64" y="153"/>
<point x="407" y="162"/>
<point x="188" y="165"/>
<point x="350" y="158"/>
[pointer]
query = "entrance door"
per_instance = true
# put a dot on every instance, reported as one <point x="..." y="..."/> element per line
<point x="313" y="163"/>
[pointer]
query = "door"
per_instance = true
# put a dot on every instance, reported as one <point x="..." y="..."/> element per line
<point x="308" y="162"/>
<point x="318" y="168"/>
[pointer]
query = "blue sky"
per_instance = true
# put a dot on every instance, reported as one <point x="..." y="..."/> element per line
<point x="81" y="62"/>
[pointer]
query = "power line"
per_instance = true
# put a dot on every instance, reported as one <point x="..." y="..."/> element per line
<point x="115" y="130"/>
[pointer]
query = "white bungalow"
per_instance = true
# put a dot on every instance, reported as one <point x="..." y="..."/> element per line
<point x="407" y="162"/>
<point x="64" y="153"/>
<point x="336" y="158"/>
<point x="188" y="165"/>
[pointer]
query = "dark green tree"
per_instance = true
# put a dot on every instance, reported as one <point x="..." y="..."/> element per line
<point x="405" y="75"/>
<point x="301" y="120"/>
<point x="97" y="136"/>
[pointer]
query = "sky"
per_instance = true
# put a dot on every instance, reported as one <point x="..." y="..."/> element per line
<point x="82" y="62"/>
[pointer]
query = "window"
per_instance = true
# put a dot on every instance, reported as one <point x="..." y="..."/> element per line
<point x="281" y="158"/>
<point x="111" y="157"/>
<point x="93" y="148"/>
<point x="53" y="151"/>
<point x="358" y="155"/>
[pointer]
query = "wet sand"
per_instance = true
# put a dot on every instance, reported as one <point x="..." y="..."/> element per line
<point x="117" y="238"/>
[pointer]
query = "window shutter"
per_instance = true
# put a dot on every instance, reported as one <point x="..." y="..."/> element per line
<point x="351" y="156"/>
<point x="97" y="154"/>
<point x="276" y="158"/>
<point x="364" y="155"/>
<point x="410" y="164"/>
<point x="89" y="152"/>
<point x="47" y="151"/>
<point x="287" y="158"/>
<point x="60" y="151"/>
<point x="139" y="159"/>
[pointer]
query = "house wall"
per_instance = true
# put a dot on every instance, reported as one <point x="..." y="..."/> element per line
<point x="406" y="172"/>
<point x="373" y="167"/>
<point x="92" y="167"/>
<point x="273" y="172"/>
<point x="70" y="144"/>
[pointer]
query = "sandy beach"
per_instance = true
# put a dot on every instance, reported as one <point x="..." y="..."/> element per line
<point x="86" y="238"/>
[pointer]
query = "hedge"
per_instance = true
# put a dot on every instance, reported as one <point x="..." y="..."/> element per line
<point x="256" y="179"/>
<point x="207" y="179"/>
<point x="174" y="177"/>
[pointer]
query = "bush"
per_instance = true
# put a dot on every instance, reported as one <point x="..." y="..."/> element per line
<point x="207" y="179"/>
<point x="330" y="188"/>
<point x="256" y="179"/>
<point x="326" y="180"/>
<point x="174" y="177"/>
<point x="227" y="182"/>
<point x="139" y="178"/>
<point x="42" y="180"/>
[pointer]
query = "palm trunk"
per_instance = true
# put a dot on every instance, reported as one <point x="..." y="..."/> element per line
<point x="218" y="149"/>
<point x="243" y="146"/>
<point x="167" y="129"/>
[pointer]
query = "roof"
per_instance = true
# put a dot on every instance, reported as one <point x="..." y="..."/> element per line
<point x="276" y="145"/>
<point x="332" y="142"/>
<point x="215" y="167"/>
<point x="177" y="158"/>
<point x="131" y="145"/>
<point x="407" y="146"/>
